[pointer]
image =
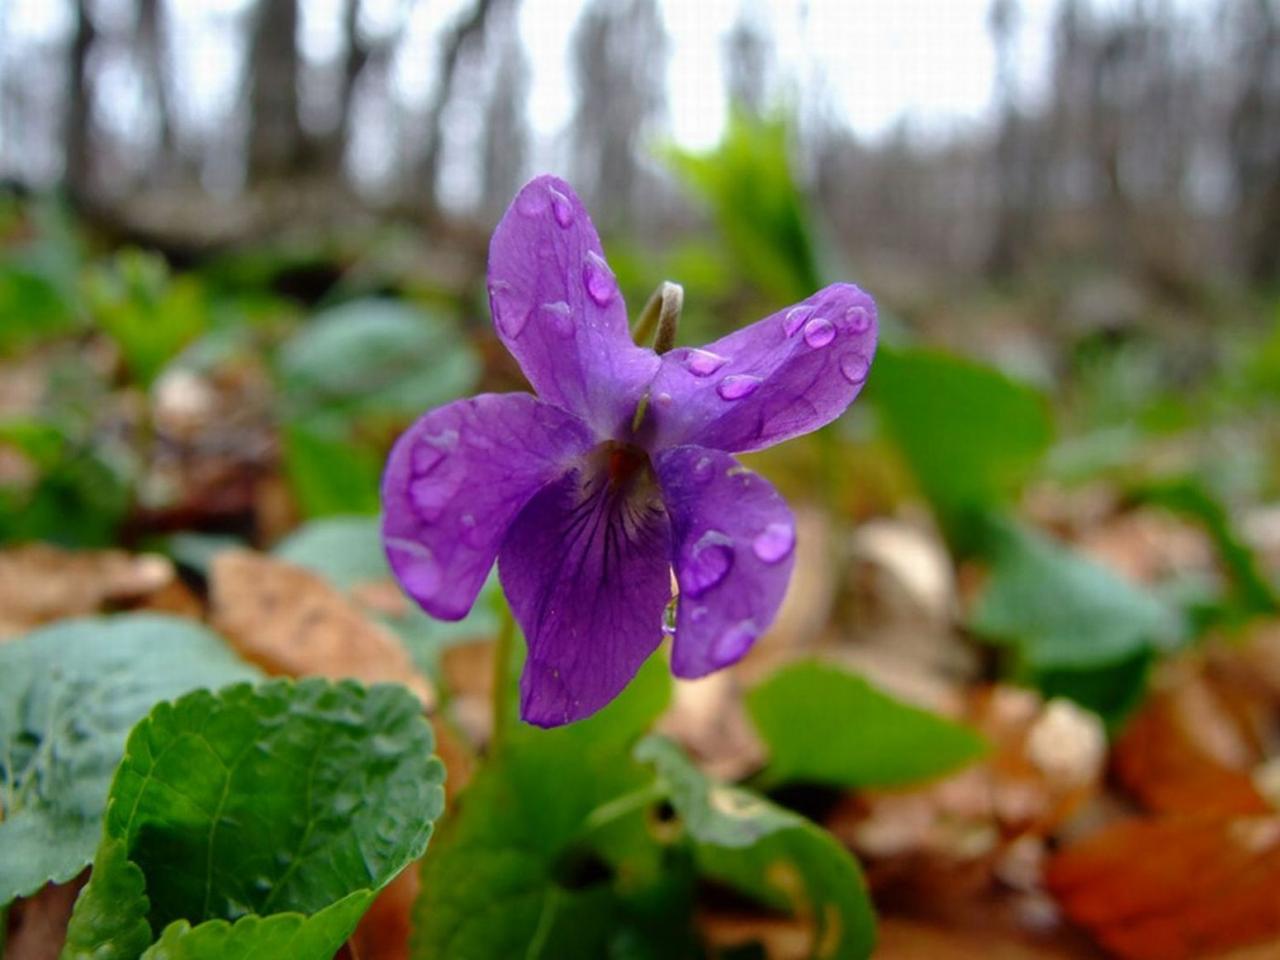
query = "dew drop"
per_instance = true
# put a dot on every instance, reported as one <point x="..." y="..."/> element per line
<point x="431" y="451"/>
<point x="508" y="313"/>
<point x="598" y="279"/>
<point x="703" y="363"/>
<point x="818" y="332"/>
<point x="431" y="495"/>
<point x="531" y="202"/>
<point x="560" y="317"/>
<point x="663" y="400"/>
<point x="415" y="565"/>
<point x="854" y="367"/>
<point x="775" y="543"/>
<point x="698" y="614"/>
<point x="733" y="643"/>
<point x="737" y="386"/>
<point x="795" y="319"/>
<point x="703" y="470"/>
<point x="707" y="564"/>
<point x="858" y="319"/>
<point x="561" y="208"/>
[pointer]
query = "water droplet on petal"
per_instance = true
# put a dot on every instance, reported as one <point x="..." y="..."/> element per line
<point x="795" y="319"/>
<point x="431" y="451"/>
<point x="858" y="319"/>
<point x="737" y="386"/>
<point x="415" y="565"/>
<point x="531" y="202"/>
<point x="561" y="208"/>
<point x="775" y="543"/>
<point x="703" y="469"/>
<point x="706" y="564"/>
<point x="818" y="332"/>
<point x="559" y="317"/>
<point x="699" y="614"/>
<point x="703" y="363"/>
<point x="663" y="400"/>
<point x="508" y="313"/>
<point x="733" y="643"/>
<point x="598" y="279"/>
<point x="854" y="367"/>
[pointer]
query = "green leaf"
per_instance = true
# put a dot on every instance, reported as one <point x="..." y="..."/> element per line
<point x="375" y="357"/>
<point x="262" y="817"/>
<point x="150" y="314"/>
<point x="1252" y="594"/>
<point x="825" y="725"/>
<point x="769" y="853"/>
<point x="1070" y="619"/>
<point x="330" y="475"/>
<point x="748" y="184"/>
<point x="68" y="695"/>
<point x="971" y="435"/>
<point x="497" y="882"/>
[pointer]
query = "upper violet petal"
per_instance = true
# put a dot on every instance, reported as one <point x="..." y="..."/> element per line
<point x="585" y="570"/>
<point x="733" y="547"/>
<point x="783" y="376"/>
<point x="456" y="480"/>
<point x="557" y="308"/>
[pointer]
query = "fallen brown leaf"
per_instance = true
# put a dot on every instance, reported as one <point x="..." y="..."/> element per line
<point x="899" y="939"/>
<point x="40" y="583"/>
<point x="38" y="924"/>
<point x="1184" y="752"/>
<point x="290" y="621"/>
<point x="1174" y="888"/>
<point x="383" y="933"/>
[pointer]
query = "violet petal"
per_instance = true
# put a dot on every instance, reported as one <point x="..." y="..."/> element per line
<point x="733" y="548"/>
<point x="557" y="308"/>
<point x="456" y="480"/>
<point x="783" y="376"/>
<point x="585" y="570"/>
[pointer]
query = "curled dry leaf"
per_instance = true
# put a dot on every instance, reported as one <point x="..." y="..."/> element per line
<point x="292" y="622"/>
<point x="40" y="583"/>
<point x="1174" y="888"/>
<point x="1185" y="752"/>
<point x="708" y="719"/>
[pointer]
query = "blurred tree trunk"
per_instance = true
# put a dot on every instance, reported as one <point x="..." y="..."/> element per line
<point x="466" y="35"/>
<point x="332" y="146"/>
<point x="151" y="57"/>
<point x="506" y="130"/>
<point x="1255" y="140"/>
<point x="619" y="64"/>
<point x="275" y="132"/>
<point x="78" y="135"/>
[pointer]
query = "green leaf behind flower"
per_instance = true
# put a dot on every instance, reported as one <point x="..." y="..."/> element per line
<point x="825" y="725"/>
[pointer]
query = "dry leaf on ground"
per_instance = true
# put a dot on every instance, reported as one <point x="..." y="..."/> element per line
<point x="1184" y="752"/>
<point x="1174" y="888"/>
<point x="40" y="583"/>
<point x="38" y="924"/>
<point x="290" y="621"/>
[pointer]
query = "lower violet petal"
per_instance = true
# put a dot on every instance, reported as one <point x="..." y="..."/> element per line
<point x="457" y="479"/>
<point x="585" y="569"/>
<point x="733" y="548"/>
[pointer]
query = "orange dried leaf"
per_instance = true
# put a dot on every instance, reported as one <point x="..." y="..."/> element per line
<point x="1174" y="888"/>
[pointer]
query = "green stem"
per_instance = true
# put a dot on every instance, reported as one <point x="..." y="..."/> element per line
<point x="502" y="650"/>
<point x="619" y="807"/>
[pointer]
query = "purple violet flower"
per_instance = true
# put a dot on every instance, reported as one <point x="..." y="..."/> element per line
<point x="617" y="471"/>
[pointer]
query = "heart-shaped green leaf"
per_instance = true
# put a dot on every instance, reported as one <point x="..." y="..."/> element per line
<point x="68" y="695"/>
<point x="260" y="819"/>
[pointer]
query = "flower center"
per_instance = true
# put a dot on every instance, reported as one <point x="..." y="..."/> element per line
<point x="624" y="463"/>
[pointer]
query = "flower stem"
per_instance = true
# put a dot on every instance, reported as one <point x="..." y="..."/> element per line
<point x="619" y="807"/>
<point x="502" y="650"/>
